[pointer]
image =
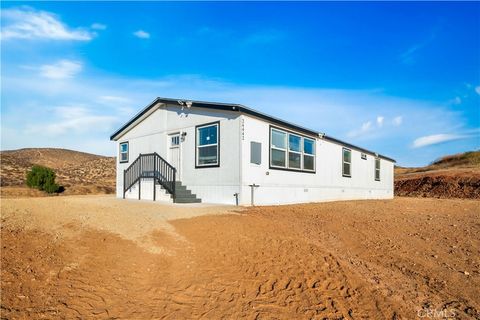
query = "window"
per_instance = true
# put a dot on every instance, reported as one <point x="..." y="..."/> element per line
<point x="175" y="140"/>
<point x="308" y="154"/>
<point x="279" y="148"/>
<point x="291" y="151"/>
<point x="377" y="169"/>
<point x="123" y="152"/>
<point x="347" y="162"/>
<point x="364" y="156"/>
<point x="294" y="151"/>
<point x="207" y="146"/>
<point x="255" y="152"/>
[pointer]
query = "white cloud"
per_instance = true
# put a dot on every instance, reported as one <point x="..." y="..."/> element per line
<point x="380" y="120"/>
<point x="436" y="139"/>
<point x="141" y="34"/>
<point x="111" y="101"/>
<point x="28" y="23"/>
<point x="63" y="69"/>
<point x="477" y="90"/>
<point x="408" y="57"/>
<point x="98" y="26"/>
<point x="114" y="99"/>
<point x="365" y="128"/>
<point x="397" y="121"/>
<point x="74" y="119"/>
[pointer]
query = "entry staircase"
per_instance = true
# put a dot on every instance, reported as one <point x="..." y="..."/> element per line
<point x="153" y="166"/>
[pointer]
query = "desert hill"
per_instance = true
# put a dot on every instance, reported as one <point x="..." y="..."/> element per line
<point x="78" y="172"/>
<point x="452" y="176"/>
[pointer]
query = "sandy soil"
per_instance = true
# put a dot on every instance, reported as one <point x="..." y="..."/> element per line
<point x="96" y="257"/>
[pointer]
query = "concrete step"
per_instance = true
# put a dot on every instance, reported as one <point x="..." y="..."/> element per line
<point x="184" y="192"/>
<point x="187" y="200"/>
<point x="186" y="196"/>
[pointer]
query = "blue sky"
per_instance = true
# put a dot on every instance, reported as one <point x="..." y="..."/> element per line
<point x="402" y="79"/>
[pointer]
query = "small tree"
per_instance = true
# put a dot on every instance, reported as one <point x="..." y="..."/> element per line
<point x="42" y="178"/>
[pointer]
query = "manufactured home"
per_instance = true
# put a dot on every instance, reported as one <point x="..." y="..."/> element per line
<point x="194" y="151"/>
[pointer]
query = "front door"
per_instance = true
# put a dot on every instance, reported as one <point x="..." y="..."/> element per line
<point x="174" y="152"/>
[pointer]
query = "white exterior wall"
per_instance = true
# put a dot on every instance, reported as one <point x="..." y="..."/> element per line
<point x="212" y="185"/>
<point x="236" y="173"/>
<point x="326" y="184"/>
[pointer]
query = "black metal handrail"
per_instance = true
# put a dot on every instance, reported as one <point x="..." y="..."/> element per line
<point x="150" y="165"/>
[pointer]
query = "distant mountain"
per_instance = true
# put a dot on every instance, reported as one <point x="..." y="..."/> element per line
<point x="452" y="176"/>
<point x="78" y="172"/>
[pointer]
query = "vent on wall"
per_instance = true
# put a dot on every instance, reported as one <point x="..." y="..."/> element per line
<point x="364" y="156"/>
<point x="255" y="152"/>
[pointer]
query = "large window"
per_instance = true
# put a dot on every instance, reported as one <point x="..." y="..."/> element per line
<point x="123" y="156"/>
<point x="207" y="145"/>
<point x="291" y="151"/>
<point x="347" y="163"/>
<point x="377" y="169"/>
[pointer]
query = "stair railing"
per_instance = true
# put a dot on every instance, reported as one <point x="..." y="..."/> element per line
<point x="150" y="166"/>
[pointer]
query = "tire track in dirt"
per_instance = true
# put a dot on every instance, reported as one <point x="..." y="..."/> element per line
<point x="355" y="260"/>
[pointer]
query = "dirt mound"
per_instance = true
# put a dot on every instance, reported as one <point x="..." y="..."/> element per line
<point x="78" y="172"/>
<point x="454" y="176"/>
<point x="439" y="186"/>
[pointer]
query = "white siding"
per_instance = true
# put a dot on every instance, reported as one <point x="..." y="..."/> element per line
<point x="214" y="185"/>
<point x="236" y="173"/>
<point x="327" y="183"/>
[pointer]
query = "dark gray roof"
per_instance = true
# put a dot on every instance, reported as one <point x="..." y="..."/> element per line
<point x="242" y="109"/>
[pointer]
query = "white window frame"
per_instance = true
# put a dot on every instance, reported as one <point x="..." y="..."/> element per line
<point x="277" y="148"/>
<point x="296" y="152"/>
<point x="174" y="140"/>
<point x="377" y="160"/>
<point x="308" y="154"/>
<point x="120" y="151"/>
<point x="197" y="146"/>
<point x="344" y="162"/>
<point x="287" y="151"/>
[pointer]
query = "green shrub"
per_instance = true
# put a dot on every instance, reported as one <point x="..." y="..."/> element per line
<point x="42" y="178"/>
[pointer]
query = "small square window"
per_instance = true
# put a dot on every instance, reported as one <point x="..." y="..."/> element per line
<point x="364" y="156"/>
<point x="175" y="141"/>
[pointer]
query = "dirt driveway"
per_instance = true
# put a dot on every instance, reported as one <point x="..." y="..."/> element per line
<point x="96" y="257"/>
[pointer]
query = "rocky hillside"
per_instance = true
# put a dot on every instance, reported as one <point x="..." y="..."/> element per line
<point x="77" y="172"/>
<point x="453" y="176"/>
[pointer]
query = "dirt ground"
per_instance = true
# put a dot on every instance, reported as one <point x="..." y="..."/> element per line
<point x="97" y="257"/>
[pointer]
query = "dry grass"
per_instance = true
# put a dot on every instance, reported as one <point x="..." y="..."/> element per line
<point x="78" y="172"/>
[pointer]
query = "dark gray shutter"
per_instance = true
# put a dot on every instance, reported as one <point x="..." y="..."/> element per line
<point x="255" y="152"/>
